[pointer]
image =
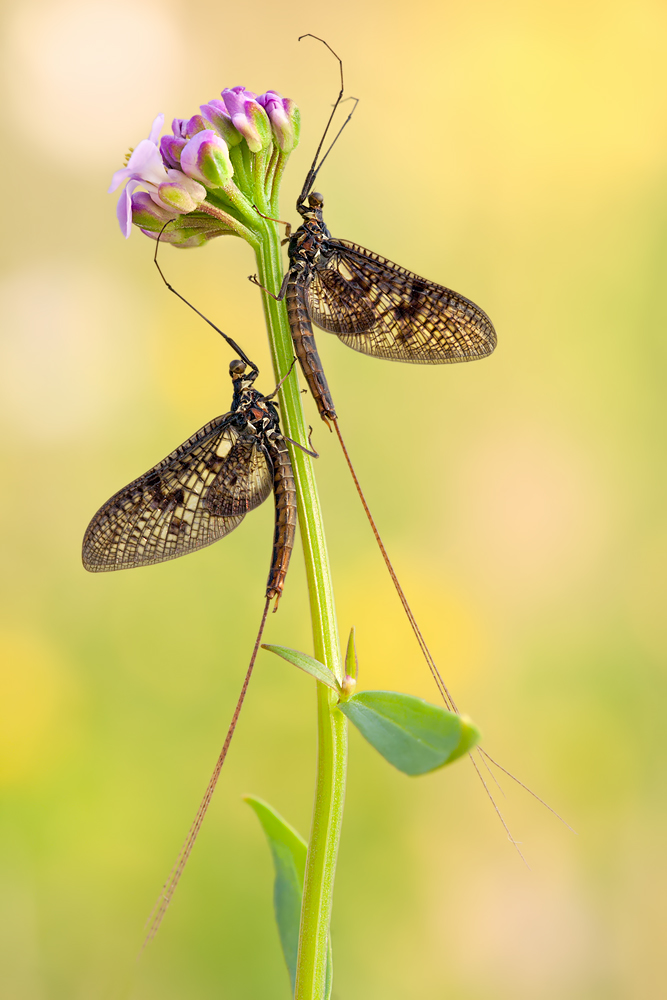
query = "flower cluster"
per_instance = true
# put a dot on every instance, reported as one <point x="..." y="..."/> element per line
<point x="207" y="175"/>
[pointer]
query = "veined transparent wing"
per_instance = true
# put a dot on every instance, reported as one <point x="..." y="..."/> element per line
<point x="381" y="309"/>
<point x="193" y="497"/>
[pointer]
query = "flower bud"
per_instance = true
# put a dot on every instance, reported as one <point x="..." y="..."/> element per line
<point x="216" y="114"/>
<point x="147" y="214"/>
<point x="178" y="127"/>
<point x="181" y="193"/>
<point x="183" y="239"/>
<point x="248" y="117"/>
<point x="170" y="148"/>
<point x="187" y="231"/>
<point x="195" y="124"/>
<point x="206" y="159"/>
<point x="347" y="687"/>
<point x="285" y="119"/>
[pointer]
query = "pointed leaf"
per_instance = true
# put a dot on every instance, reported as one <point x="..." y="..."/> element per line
<point x="351" y="661"/>
<point x="307" y="663"/>
<point x="413" y="735"/>
<point x="289" y="851"/>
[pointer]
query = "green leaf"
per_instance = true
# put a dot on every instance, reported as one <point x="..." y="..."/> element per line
<point x="307" y="663"/>
<point x="413" y="735"/>
<point x="351" y="662"/>
<point x="289" y="851"/>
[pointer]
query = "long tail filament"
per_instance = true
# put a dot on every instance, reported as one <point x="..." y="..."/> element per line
<point x="157" y="913"/>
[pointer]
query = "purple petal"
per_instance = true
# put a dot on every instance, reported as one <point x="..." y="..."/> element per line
<point x="216" y="116"/>
<point x="171" y="147"/>
<point x="237" y="99"/>
<point x="213" y="111"/>
<point x="239" y="90"/>
<point x="156" y="128"/>
<point x="145" y="163"/>
<point x="124" y="209"/>
<point x="218" y="105"/>
<point x="270" y="97"/>
<point x="195" y="124"/>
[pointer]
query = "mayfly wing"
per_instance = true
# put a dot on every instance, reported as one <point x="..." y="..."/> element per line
<point x="372" y="305"/>
<point x="193" y="497"/>
<point x="378" y="308"/>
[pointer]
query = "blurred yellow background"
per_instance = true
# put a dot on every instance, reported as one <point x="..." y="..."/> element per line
<point x="516" y="152"/>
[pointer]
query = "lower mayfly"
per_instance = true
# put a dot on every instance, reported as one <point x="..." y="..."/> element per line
<point x="196" y="495"/>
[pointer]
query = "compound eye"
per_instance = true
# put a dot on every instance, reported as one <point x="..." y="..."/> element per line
<point x="315" y="200"/>
<point x="236" y="367"/>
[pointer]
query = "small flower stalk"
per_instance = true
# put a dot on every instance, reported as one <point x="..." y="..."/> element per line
<point x="213" y="174"/>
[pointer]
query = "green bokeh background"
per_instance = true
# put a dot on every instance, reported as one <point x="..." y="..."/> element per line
<point x="518" y="153"/>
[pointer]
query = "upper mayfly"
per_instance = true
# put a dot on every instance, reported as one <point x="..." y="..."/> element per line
<point x="371" y="304"/>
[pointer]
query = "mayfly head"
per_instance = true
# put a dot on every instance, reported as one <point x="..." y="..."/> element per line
<point x="312" y="210"/>
<point x="240" y="376"/>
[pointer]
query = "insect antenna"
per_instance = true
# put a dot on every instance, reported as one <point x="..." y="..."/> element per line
<point x="232" y="343"/>
<point x="157" y="913"/>
<point x="321" y="163"/>
<point x="314" y="167"/>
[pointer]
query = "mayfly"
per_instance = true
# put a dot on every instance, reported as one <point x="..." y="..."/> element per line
<point x="371" y="304"/>
<point x="193" y="497"/>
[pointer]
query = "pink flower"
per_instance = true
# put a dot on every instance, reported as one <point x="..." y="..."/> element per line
<point x="146" y="168"/>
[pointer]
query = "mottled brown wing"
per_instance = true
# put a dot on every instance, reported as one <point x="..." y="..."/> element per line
<point x="197" y="494"/>
<point x="379" y="308"/>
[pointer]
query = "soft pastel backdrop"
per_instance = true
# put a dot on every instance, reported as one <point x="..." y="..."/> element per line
<point x="518" y="153"/>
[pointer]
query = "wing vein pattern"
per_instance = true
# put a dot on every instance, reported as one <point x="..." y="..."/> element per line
<point x="193" y="497"/>
<point x="378" y="308"/>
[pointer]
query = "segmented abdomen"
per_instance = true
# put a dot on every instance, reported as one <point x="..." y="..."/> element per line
<point x="284" y="492"/>
<point x="306" y="349"/>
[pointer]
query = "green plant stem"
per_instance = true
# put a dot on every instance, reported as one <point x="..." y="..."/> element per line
<point x="331" y="724"/>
